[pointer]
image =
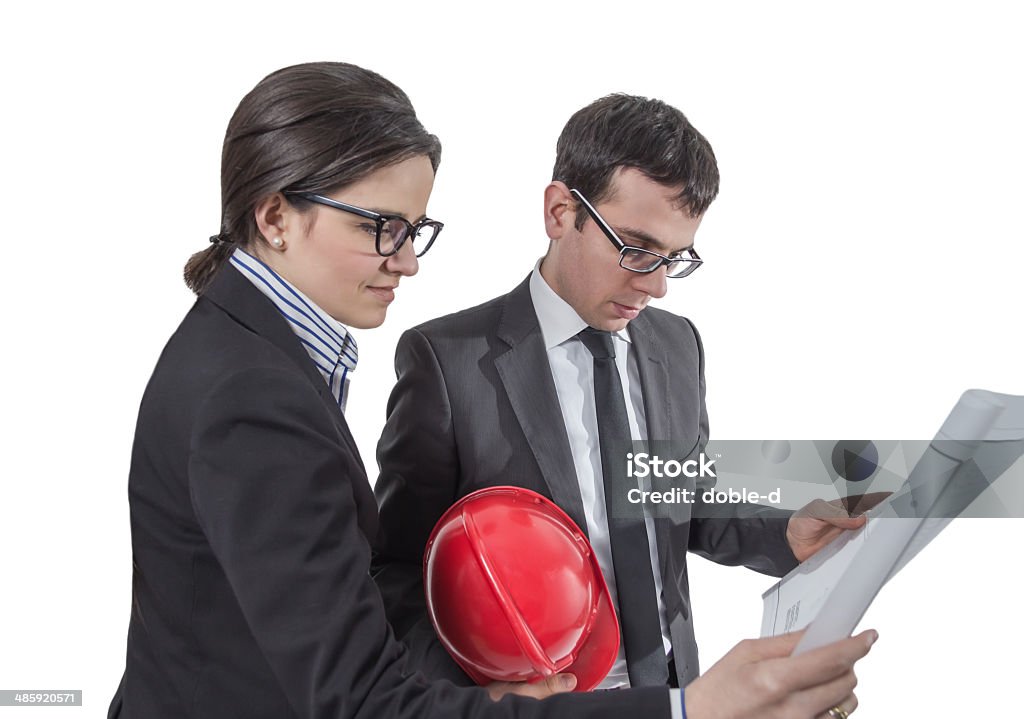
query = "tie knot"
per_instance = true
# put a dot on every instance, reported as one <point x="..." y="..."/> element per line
<point x="599" y="343"/>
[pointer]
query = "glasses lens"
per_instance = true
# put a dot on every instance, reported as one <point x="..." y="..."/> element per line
<point x="392" y="235"/>
<point x="425" y="237"/>
<point x="638" y="260"/>
<point x="681" y="268"/>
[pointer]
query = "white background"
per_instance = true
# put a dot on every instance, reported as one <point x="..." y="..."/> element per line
<point x="862" y="263"/>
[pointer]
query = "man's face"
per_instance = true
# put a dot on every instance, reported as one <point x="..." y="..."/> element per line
<point x="583" y="266"/>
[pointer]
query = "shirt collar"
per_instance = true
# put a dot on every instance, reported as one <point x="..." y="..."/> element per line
<point x="330" y="345"/>
<point x="558" y="320"/>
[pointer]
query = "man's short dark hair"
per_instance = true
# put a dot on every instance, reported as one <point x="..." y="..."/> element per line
<point x="620" y="131"/>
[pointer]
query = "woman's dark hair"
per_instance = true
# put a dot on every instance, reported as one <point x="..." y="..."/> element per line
<point x="307" y="128"/>
<point x="629" y="131"/>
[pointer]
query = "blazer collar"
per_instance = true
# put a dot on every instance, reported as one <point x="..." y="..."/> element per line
<point x="526" y="375"/>
<point x="237" y="296"/>
<point x="518" y="319"/>
<point x="518" y="326"/>
<point x="653" y="366"/>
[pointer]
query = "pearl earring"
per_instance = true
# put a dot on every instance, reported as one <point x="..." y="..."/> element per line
<point x="277" y="242"/>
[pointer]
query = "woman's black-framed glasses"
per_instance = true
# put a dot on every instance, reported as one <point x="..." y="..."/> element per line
<point x="391" y="230"/>
<point x="637" y="259"/>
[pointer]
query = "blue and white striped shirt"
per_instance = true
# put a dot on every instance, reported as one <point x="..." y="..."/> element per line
<point x="329" y="343"/>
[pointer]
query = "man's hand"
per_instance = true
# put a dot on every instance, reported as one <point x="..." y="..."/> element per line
<point x="758" y="679"/>
<point x="555" y="684"/>
<point x="818" y="523"/>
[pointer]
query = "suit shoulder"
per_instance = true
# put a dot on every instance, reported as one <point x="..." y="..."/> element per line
<point x="470" y="322"/>
<point x="207" y="329"/>
<point x="665" y="321"/>
<point x="210" y="346"/>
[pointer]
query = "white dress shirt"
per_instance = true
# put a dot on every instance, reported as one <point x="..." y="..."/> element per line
<point x="572" y="367"/>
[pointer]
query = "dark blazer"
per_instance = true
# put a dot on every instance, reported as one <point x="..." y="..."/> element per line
<point x="475" y="406"/>
<point x="250" y="514"/>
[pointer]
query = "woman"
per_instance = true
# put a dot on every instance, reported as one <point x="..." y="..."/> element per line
<point x="250" y="508"/>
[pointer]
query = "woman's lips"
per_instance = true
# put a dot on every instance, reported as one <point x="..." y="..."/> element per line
<point x="384" y="294"/>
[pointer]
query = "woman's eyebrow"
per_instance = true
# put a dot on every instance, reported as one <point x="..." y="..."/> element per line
<point x="395" y="213"/>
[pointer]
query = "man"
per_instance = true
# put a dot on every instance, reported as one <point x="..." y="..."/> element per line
<point x="544" y="387"/>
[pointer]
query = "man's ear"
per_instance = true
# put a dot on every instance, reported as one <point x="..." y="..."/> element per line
<point x="559" y="215"/>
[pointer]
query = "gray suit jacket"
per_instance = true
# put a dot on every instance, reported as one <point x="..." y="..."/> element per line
<point x="475" y="406"/>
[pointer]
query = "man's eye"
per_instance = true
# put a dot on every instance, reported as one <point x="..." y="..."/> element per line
<point x="369" y="229"/>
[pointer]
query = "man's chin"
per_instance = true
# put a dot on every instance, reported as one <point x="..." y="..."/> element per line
<point x="611" y="324"/>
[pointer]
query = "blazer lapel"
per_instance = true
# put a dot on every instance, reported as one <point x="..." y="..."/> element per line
<point x="526" y="375"/>
<point x="234" y="294"/>
<point x="653" y="378"/>
<point x="653" y="368"/>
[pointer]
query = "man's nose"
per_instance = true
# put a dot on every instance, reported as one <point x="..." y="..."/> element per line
<point x="653" y="283"/>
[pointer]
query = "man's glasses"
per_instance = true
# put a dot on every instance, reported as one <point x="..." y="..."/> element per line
<point x="637" y="259"/>
<point x="391" y="231"/>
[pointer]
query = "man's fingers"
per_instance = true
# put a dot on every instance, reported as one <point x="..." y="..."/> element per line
<point x="863" y="502"/>
<point x="820" y="509"/>
<point x="845" y="522"/>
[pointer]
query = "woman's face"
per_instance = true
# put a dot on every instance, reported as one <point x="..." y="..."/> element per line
<point x="330" y="255"/>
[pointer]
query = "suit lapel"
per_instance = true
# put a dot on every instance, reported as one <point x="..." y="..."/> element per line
<point x="653" y="378"/>
<point x="526" y="376"/>
<point x="234" y="294"/>
<point x="653" y="368"/>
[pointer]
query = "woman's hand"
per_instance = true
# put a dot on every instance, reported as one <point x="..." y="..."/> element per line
<point x="555" y="684"/>
<point x="759" y="679"/>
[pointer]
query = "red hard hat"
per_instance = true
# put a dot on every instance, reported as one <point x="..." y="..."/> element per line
<point x="515" y="592"/>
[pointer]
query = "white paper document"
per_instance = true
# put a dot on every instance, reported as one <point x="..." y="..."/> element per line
<point x="829" y="593"/>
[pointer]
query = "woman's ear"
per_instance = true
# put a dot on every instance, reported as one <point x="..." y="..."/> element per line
<point x="274" y="215"/>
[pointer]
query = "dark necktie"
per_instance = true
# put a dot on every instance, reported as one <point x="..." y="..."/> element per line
<point x="631" y="553"/>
